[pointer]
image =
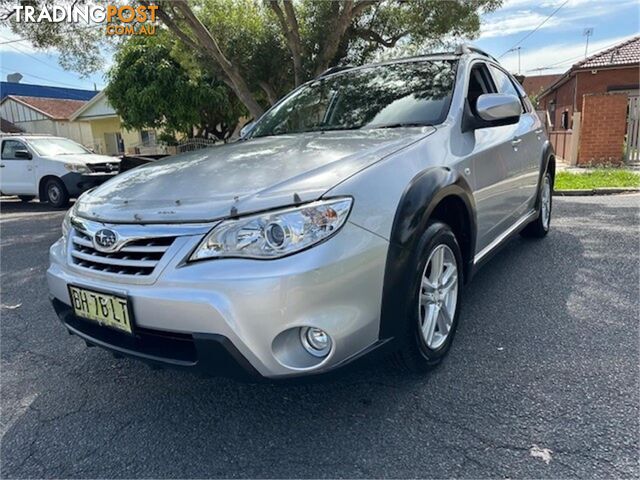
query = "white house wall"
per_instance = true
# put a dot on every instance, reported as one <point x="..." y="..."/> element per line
<point x="16" y="112"/>
<point x="32" y="121"/>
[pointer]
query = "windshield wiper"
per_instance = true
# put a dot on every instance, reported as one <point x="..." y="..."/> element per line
<point x="400" y="125"/>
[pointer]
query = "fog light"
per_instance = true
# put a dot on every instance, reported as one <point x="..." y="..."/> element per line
<point x="315" y="341"/>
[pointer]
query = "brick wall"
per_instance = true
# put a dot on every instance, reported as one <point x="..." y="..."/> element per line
<point x="604" y="122"/>
<point x="584" y="82"/>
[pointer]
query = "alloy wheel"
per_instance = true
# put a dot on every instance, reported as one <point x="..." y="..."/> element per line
<point x="438" y="296"/>
<point x="545" y="205"/>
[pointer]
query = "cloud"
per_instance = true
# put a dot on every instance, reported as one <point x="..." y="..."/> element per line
<point x="515" y="23"/>
<point x="521" y="16"/>
<point x="558" y="56"/>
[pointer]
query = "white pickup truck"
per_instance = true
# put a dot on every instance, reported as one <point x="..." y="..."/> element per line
<point x="54" y="169"/>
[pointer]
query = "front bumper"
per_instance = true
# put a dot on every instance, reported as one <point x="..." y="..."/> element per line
<point x="246" y="310"/>
<point x="77" y="183"/>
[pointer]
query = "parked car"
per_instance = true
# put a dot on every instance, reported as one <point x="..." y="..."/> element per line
<point x="54" y="169"/>
<point x="347" y="220"/>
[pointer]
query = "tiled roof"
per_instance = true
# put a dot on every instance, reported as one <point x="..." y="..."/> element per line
<point x="29" y="90"/>
<point x="7" y="127"/>
<point x="535" y="85"/>
<point x="54" y="108"/>
<point x="625" y="53"/>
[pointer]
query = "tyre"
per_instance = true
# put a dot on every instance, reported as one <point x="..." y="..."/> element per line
<point x="56" y="193"/>
<point x="433" y="301"/>
<point x="540" y="226"/>
<point x="26" y="198"/>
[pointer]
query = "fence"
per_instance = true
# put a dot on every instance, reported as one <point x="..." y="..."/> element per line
<point x="632" y="140"/>
<point x="192" y="144"/>
<point x="562" y="144"/>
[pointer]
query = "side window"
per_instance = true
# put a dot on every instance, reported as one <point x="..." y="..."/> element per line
<point x="479" y="83"/>
<point x="9" y="148"/>
<point x="505" y="85"/>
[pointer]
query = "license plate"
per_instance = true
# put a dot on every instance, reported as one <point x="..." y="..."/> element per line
<point x="108" y="310"/>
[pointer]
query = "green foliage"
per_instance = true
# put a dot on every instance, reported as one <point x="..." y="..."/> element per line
<point x="150" y="89"/>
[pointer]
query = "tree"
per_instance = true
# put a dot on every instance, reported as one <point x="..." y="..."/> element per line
<point x="150" y="89"/>
<point x="261" y="48"/>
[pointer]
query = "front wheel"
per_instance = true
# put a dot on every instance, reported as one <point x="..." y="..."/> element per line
<point x="56" y="193"/>
<point x="433" y="300"/>
<point x="540" y="226"/>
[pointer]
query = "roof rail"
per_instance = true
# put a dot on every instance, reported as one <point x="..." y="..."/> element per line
<point x="464" y="48"/>
<point x="331" y="70"/>
<point x="25" y="134"/>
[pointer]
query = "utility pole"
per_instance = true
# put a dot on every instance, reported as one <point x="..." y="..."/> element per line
<point x="587" y="32"/>
<point x="518" y="50"/>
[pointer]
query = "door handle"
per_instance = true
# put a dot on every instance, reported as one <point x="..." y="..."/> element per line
<point x="516" y="141"/>
<point x="539" y="131"/>
<point x="2" y="166"/>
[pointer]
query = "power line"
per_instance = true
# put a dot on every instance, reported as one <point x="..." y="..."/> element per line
<point x="41" y="61"/>
<point x="562" y="62"/>
<point x="535" y="29"/>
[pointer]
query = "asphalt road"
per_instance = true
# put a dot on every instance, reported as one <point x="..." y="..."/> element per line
<point x="546" y="357"/>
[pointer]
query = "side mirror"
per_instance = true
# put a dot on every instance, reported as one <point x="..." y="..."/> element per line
<point x="23" y="154"/>
<point x="492" y="110"/>
<point x="497" y="107"/>
<point x="246" y="130"/>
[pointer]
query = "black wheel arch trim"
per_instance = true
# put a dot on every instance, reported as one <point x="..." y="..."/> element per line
<point x="417" y="204"/>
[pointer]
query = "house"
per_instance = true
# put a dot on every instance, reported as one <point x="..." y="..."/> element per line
<point x="45" y="115"/>
<point x="613" y="70"/>
<point x="107" y="133"/>
<point x="43" y="109"/>
<point x="7" y="127"/>
<point x="537" y="84"/>
<point x="594" y="108"/>
<point x="44" y="91"/>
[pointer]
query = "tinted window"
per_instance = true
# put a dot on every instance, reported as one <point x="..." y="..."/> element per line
<point x="479" y="84"/>
<point x="9" y="148"/>
<point x="378" y="96"/>
<point x="504" y="83"/>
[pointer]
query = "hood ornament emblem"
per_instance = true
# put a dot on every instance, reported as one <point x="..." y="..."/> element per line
<point x="105" y="239"/>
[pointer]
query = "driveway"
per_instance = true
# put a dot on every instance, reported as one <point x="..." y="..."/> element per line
<point x="542" y="380"/>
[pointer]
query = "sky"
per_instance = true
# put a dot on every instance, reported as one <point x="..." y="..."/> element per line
<point x="552" y="48"/>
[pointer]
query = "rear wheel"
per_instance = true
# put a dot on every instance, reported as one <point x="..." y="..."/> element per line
<point x="540" y="226"/>
<point x="433" y="301"/>
<point x="26" y="198"/>
<point x="56" y="193"/>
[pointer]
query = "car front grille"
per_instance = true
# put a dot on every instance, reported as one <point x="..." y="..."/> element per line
<point x="136" y="258"/>
<point x="104" y="167"/>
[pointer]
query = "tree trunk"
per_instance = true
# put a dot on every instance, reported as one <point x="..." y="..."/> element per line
<point x="329" y="49"/>
<point x="236" y="80"/>
<point x="291" y="30"/>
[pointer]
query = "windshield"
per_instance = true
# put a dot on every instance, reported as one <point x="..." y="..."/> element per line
<point x="401" y="94"/>
<point x="57" y="146"/>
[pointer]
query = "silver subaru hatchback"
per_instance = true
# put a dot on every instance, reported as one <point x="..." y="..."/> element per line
<point x="346" y="220"/>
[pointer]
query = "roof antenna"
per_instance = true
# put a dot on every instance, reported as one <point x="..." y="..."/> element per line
<point x="296" y="199"/>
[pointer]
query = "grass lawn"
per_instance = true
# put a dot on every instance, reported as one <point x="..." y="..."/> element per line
<point x="605" y="177"/>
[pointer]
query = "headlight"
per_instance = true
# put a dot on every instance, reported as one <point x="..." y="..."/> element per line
<point x="77" y="167"/>
<point x="275" y="234"/>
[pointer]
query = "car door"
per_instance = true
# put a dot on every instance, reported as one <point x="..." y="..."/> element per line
<point x="492" y="161"/>
<point x="17" y="176"/>
<point x="526" y="142"/>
